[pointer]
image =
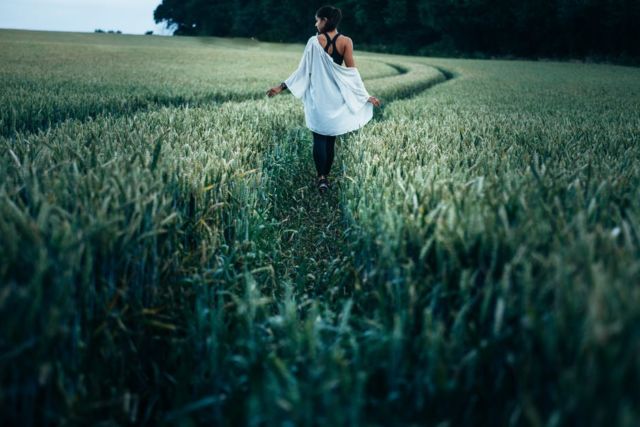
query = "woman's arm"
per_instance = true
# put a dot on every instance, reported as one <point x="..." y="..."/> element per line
<point x="276" y="89"/>
<point x="298" y="81"/>
<point x="351" y="63"/>
<point x="348" y="53"/>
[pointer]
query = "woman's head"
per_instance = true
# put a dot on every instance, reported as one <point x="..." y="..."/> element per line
<point x="328" y="18"/>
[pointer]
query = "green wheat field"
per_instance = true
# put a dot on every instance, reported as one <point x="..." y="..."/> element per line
<point x="166" y="259"/>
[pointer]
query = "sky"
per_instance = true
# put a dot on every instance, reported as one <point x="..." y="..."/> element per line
<point x="128" y="16"/>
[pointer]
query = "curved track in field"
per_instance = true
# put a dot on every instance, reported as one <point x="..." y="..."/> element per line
<point x="314" y="235"/>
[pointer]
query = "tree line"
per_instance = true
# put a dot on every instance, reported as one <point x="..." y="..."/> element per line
<point x="523" y="28"/>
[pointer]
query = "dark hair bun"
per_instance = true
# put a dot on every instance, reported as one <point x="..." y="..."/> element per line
<point x="333" y="16"/>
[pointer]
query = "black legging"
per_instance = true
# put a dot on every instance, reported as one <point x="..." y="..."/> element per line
<point x="323" y="151"/>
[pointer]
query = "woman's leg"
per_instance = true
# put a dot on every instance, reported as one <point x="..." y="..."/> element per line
<point x="331" y="142"/>
<point x="320" y="153"/>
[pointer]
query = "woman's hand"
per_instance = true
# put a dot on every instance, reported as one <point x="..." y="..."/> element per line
<point x="375" y="101"/>
<point x="274" y="91"/>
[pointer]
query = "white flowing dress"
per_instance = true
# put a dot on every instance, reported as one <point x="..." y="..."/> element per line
<point x="334" y="97"/>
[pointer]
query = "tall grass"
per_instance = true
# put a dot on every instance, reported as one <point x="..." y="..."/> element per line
<point x="98" y="220"/>
<point x="504" y="225"/>
<point x="48" y="78"/>
<point x="475" y="262"/>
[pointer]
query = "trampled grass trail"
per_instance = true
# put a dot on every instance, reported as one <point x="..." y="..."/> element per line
<point x="310" y="224"/>
<point x="314" y="247"/>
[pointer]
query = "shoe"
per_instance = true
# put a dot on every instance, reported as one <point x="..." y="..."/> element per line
<point x="323" y="185"/>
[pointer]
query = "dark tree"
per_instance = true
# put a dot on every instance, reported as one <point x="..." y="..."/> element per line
<point x="528" y="28"/>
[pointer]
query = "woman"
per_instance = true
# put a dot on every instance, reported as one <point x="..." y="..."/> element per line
<point x="335" y="99"/>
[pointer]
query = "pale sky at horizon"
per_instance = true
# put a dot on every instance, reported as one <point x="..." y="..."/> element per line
<point x="128" y="16"/>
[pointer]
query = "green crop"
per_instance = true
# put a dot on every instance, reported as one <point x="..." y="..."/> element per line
<point x="165" y="257"/>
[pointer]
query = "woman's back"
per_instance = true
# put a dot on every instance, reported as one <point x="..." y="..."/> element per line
<point x="334" y="96"/>
<point x="330" y="45"/>
<point x="341" y="50"/>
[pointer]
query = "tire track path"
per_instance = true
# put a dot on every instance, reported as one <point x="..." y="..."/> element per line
<point x="314" y="236"/>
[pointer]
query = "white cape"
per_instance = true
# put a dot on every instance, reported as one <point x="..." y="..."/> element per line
<point x="335" y="99"/>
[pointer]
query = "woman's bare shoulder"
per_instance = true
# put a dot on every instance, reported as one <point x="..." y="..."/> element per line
<point x="345" y="40"/>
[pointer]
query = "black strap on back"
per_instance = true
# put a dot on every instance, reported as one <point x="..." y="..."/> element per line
<point x="331" y="42"/>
